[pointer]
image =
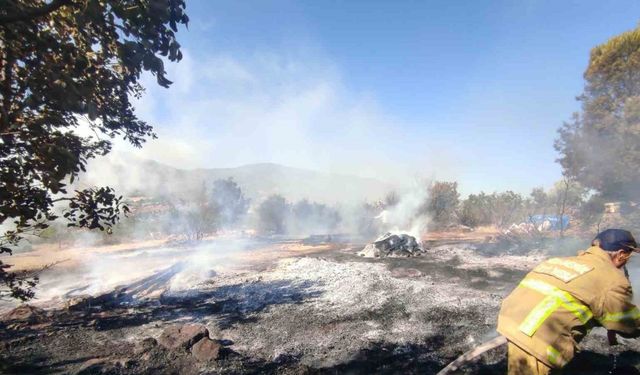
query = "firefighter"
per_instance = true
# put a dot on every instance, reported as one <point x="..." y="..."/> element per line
<point x="561" y="299"/>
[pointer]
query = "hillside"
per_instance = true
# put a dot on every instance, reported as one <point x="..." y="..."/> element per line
<point x="133" y="176"/>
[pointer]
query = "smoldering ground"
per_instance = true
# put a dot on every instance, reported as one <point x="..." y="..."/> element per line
<point x="324" y="311"/>
<point x="290" y="309"/>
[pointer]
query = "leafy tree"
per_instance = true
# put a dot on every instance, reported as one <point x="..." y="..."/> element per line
<point x="599" y="146"/>
<point x="591" y="212"/>
<point x="302" y="210"/>
<point x="565" y="193"/>
<point x="195" y="217"/>
<point x="63" y="64"/>
<point x="272" y="214"/>
<point x="500" y="209"/>
<point x="507" y="208"/>
<point x="229" y="201"/>
<point x="539" y="200"/>
<point x="476" y="210"/>
<point x="309" y="217"/>
<point x="567" y="196"/>
<point x="443" y="202"/>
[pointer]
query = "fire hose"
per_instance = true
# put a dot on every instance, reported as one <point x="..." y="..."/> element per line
<point x="472" y="354"/>
<point x="497" y="342"/>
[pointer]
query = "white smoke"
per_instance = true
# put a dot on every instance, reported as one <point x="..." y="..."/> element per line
<point x="409" y="214"/>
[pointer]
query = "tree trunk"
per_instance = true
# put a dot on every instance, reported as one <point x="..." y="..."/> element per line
<point x="564" y="205"/>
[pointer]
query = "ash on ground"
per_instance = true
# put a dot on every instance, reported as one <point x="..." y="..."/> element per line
<point x="322" y="312"/>
<point x="392" y="245"/>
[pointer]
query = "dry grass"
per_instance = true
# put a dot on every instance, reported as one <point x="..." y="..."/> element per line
<point x="71" y="257"/>
<point x="68" y="257"/>
<point x="478" y="234"/>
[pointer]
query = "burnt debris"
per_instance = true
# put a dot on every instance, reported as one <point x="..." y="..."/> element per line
<point x="392" y="245"/>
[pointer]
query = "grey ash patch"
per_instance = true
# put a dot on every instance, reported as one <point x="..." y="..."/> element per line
<point x="332" y="312"/>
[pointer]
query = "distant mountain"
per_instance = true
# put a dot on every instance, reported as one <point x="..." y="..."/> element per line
<point x="134" y="176"/>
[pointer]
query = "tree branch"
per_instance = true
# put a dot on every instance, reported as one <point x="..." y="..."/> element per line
<point x="31" y="13"/>
<point x="7" y="70"/>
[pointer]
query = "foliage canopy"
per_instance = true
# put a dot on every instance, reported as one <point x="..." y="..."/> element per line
<point x="443" y="202"/>
<point x="599" y="146"/>
<point x="66" y="64"/>
<point x="229" y="201"/>
<point x="272" y="214"/>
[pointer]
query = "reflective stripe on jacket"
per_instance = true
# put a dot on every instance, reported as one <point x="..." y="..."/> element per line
<point x="561" y="299"/>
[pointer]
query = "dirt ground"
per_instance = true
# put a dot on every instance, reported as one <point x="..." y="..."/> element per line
<point x="283" y="307"/>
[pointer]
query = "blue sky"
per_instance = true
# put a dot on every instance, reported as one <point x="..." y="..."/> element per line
<point x="471" y="91"/>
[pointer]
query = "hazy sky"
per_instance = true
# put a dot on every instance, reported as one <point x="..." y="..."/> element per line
<point x="471" y="91"/>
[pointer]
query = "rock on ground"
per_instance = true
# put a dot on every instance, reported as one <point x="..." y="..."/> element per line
<point x="182" y="336"/>
<point x="25" y="313"/>
<point x="206" y="350"/>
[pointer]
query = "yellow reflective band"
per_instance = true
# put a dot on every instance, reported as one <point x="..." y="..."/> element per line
<point x="632" y="314"/>
<point x="538" y="315"/>
<point x="575" y="266"/>
<point x="554" y="357"/>
<point x="555" y="298"/>
<point x="582" y="312"/>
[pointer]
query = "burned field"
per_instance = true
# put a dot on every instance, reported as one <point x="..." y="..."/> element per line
<point x="323" y="310"/>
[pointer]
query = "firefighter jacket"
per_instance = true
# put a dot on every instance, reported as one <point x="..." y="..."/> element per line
<point x="561" y="299"/>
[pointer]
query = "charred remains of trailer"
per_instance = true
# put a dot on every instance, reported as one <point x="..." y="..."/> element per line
<point x="392" y="245"/>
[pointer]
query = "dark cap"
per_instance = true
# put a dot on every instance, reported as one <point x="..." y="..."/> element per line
<point x="616" y="239"/>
